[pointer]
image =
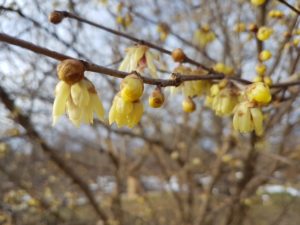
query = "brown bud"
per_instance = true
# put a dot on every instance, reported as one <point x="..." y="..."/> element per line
<point x="253" y="28"/>
<point x="178" y="55"/>
<point x="157" y="98"/>
<point x="70" y="71"/>
<point x="56" y="17"/>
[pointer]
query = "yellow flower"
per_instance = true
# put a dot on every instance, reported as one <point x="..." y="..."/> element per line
<point x="258" y="2"/>
<point x="248" y="118"/>
<point x="259" y="93"/>
<point x="191" y="88"/>
<point x="264" y="33"/>
<point x="225" y="100"/>
<point x="204" y="36"/>
<point x="265" y="55"/>
<point x="222" y="68"/>
<point x="188" y="105"/>
<point x="79" y="100"/>
<point x="276" y="14"/>
<point x="125" y="113"/>
<point x="137" y="59"/>
<point x="132" y="88"/>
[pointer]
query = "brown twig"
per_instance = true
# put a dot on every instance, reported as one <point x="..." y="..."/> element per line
<point x="289" y="6"/>
<point x="179" y="78"/>
<point x="66" y="14"/>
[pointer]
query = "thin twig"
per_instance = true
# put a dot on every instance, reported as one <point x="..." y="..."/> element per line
<point x="66" y="14"/>
<point x="177" y="80"/>
<point x="290" y="6"/>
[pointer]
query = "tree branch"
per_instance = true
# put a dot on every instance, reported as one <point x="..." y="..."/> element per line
<point x="178" y="78"/>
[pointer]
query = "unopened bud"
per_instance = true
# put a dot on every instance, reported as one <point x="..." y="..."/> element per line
<point x="56" y="17"/>
<point x="70" y="71"/>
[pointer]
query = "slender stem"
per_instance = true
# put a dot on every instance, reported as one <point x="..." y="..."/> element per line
<point x="66" y="14"/>
<point x="289" y="6"/>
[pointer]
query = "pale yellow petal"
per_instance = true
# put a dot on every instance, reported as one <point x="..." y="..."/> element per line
<point x="150" y="64"/>
<point x="80" y="94"/>
<point x="62" y="94"/>
<point x="112" y="113"/>
<point x="136" y="114"/>
<point x="97" y="106"/>
<point x="125" y="64"/>
<point x="74" y="112"/>
<point x="257" y="118"/>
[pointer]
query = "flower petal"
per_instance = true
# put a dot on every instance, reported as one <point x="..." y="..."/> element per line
<point x="62" y="92"/>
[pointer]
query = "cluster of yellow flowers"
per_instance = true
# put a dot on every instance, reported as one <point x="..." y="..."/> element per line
<point x="77" y="96"/>
<point x="222" y="98"/>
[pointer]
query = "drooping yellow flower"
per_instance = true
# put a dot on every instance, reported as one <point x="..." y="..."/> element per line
<point x="248" y="118"/>
<point x="132" y="88"/>
<point x="259" y="93"/>
<point x="264" y="33"/>
<point x="204" y="36"/>
<point x="137" y="59"/>
<point x="222" y="98"/>
<point x="79" y="100"/>
<point x="258" y="2"/>
<point x="225" y="100"/>
<point x="222" y="68"/>
<point x="125" y="113"/>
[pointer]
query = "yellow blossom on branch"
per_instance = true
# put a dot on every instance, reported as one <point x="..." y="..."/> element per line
<point x="75" y="95"/>
<point x="125" y="113"/>
<point x="137" y="59"/>
<point x="248" y="118"/>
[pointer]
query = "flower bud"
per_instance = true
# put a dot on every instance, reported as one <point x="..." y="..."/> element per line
<point x="178" y="55"/>
<point x="265" y="55"/>
<point x="56" y="17"/>
<point x="70" y="71"/>
<point x="188" y="105"/>
<point x="132" y="88"/>
<point x="260" y="69"/>
<point x="264" y="33"/>
<point x="157" y="98"/>
<point x="268" y="81"/>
